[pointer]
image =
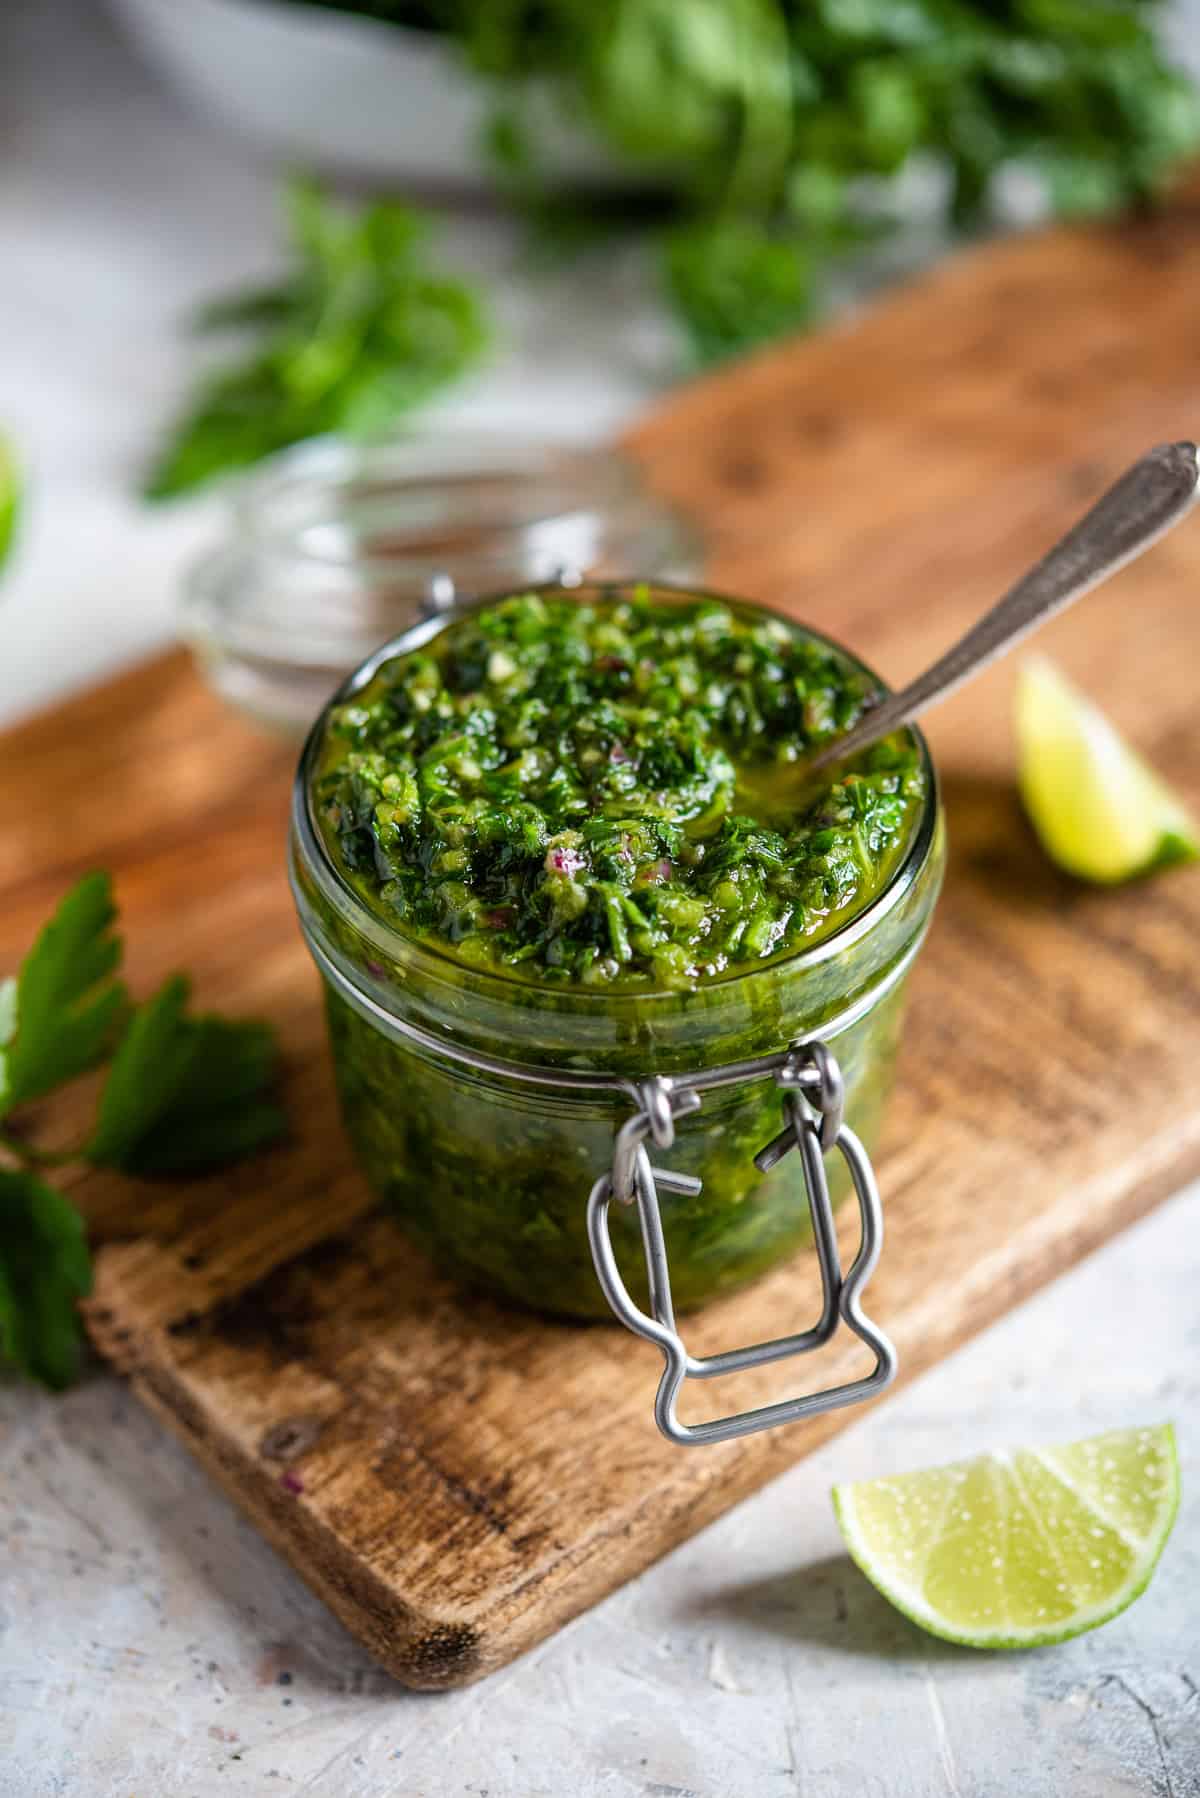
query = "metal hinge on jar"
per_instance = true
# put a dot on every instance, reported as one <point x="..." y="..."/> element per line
<point x="811" y="1091"/>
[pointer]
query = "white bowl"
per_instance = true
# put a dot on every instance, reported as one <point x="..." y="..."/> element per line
<point x="342" y="92"/>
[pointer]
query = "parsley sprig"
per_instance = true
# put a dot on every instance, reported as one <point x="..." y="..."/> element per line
<point x="183" y="1092"/>
<point x="360" y="329"/>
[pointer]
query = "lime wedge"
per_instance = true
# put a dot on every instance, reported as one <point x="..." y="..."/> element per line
<point x="10" y="498"/>
<point x="1018" y="1548"/>
<point x="1100" y="812"/>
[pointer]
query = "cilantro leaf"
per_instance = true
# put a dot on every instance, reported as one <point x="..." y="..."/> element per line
<point x="44" y="1269"/>
<point x="185" y="1092"/>
<point x="58" y="1018"/>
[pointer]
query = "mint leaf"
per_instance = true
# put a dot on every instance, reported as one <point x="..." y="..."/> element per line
<point x="44" y="1270"/>
<point x="59" y="1018"/>
<point x="185" y="1092"/>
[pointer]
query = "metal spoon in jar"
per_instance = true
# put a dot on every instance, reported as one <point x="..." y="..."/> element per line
<point x="1142" y="506"/>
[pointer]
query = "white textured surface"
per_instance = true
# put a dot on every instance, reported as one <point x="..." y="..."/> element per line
<point x="155" y="1646"/>
<point x="151" y="1646"/>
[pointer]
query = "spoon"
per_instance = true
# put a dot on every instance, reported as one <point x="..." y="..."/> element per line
<point x="1150" y="497"/>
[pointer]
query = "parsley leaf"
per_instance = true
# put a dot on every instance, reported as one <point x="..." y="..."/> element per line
<point x="360" y="330"/>
<point x="44" y="1269"/>
<point x="58" y="1017"/>
<point x="185" y="1093"/>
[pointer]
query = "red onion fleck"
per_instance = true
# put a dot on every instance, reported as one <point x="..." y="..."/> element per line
<point x="655" y="874"/>
<point x="563" y="861"/>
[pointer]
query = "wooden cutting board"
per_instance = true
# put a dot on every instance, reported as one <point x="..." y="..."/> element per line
<point x="458" y="1480"/>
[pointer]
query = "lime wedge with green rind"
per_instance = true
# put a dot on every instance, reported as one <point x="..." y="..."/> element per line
<point x="10" y="498"/>
<point x="1100" y="812"/>
<point x="1019" y="1548"/>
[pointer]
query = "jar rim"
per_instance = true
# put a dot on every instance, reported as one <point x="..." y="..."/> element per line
<point x="534" y="483"/>
<point x="336" y="543"/>
<point x="422" y="956"/>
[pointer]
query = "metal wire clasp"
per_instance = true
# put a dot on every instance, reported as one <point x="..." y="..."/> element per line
<point x="813" y="1098"/>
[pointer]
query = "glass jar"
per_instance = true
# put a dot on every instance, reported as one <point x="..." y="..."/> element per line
<point x="334" y="546"/>
<point x="483" y="1108"/>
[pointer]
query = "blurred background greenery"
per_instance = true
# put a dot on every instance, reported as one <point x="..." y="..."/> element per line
<point x="759" y="150"/>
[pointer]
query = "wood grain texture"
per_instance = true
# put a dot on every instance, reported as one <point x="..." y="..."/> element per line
<point x="458" y="1480"/>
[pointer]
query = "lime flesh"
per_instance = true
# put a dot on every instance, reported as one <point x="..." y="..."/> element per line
<point x="1100" y="812"/>
<point x="1019" y="1548"/>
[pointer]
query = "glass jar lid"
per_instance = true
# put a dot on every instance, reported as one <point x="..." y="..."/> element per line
<point x="334" y="547"/>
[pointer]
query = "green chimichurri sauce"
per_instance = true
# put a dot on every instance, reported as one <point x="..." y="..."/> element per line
<point x="607" y="793"/>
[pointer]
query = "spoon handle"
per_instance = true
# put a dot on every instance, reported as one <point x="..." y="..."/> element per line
<point x="1148" y="499"/>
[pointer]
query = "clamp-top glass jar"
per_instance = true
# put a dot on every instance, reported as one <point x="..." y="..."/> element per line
<point x="484" y="1108"/>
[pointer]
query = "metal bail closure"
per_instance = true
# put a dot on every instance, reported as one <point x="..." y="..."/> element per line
<point x="812" y="1093"/>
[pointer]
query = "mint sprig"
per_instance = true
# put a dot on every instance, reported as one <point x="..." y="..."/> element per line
<point x="183" y="1093"/>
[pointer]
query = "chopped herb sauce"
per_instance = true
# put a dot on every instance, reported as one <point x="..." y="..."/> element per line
<point x="610" y="793"/>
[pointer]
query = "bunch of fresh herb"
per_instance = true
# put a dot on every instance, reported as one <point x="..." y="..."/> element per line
<point x="183" y="1092"/>
<point x="359" y="330"/>
<point x="768" y="120"/>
